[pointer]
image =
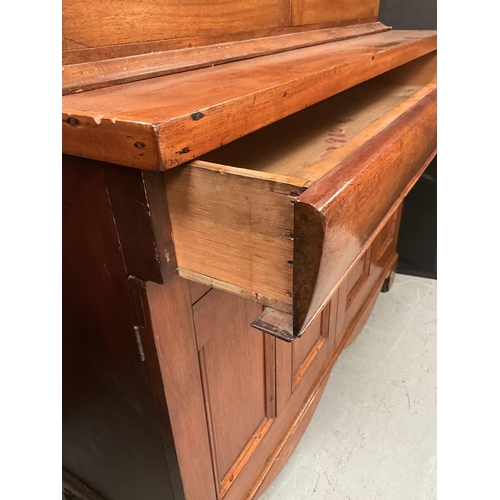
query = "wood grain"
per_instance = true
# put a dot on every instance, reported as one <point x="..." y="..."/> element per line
<point x="197" y="290"/>
<point x="368" y="270"/>
<point x="305" y="350"/>
<point x="322" y="167"/>
<point x="91" y="23"/>
<point x="98" y="74"/>
<point x="288" y="148"/>
<point x="309" y="394"/>
<point x="353" y="329"/>
<point x="237" y="363"/>
<point x="234" y="229"/>
<point x="163" y="122"/>
<point x="173" y="330"/>
<point x="320" y="11"/>
<point x="253" y="208"/>
<point x="337" y="215"/>
<point x="109" y="403"/>
<point x="94" y="54"/>
<point x="142" y="222"/>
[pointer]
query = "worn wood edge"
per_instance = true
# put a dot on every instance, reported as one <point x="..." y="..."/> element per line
<point x="312" y="396"/>
<point x="252" y="174"/>
<point x="106" y="52"/>
<point x="276" y="323"/>
<point x="244" y="456"/>
<point x="234" y="289"/>
<point x="135" y="145"/>
<point x="270" y="375"/>
<point x="99" y="74"/>
<point x="330" y="162"/>
<point x="156" y="201"/>
<point x="309" y="237"/>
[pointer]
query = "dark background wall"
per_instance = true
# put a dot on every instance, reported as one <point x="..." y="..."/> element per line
<point x="417" y="245"/>
<point x="409" y="14"/>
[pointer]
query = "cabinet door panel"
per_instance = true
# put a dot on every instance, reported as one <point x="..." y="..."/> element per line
<point x="298" y="363"/>
<point x="237" y="366"/>
<point x="305" y="350"/>
<point x="384" y="245"/>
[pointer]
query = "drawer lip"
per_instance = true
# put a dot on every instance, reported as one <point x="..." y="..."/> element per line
<point x="339" y="215"/>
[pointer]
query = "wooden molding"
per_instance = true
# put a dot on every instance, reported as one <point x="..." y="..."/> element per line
<point x="98" y="74"/>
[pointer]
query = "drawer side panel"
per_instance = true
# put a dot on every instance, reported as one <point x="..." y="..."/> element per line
<point x="233" y="232"/>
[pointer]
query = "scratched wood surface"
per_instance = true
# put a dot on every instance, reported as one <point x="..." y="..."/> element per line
<point x="163" y="122"/>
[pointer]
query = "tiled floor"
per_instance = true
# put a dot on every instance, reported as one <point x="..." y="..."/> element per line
<point x="373" y="436"/>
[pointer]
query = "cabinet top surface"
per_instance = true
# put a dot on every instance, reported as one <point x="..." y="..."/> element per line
<point x="162" y="122"/>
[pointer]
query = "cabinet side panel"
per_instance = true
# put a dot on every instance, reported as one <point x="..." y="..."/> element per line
<point x="111" y="435"/>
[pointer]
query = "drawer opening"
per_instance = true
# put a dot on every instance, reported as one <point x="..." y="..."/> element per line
<point x="294" y="146"/>
<point x="281" y="215"/>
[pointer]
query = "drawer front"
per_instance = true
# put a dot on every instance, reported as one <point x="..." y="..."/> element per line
<point x="338" y="217"/>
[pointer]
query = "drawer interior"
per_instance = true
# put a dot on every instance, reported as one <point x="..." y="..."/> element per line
<point x="294" y="146"/>
<point x="232" y="210"/>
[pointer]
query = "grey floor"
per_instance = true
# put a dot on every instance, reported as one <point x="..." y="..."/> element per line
<point x="373" y="436"/>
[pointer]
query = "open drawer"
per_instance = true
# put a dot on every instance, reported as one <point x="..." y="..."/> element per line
<point x="283" y="214"/>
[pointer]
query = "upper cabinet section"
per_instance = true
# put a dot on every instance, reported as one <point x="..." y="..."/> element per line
<point x="103" y="29"/>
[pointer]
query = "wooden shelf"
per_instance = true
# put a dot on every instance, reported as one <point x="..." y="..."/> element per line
<point x="162" y="122"/>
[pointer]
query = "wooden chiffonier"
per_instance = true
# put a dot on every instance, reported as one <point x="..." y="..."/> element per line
<point x="233" y="177"/>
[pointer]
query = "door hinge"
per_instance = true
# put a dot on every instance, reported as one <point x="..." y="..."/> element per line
<point x="139" y="342"/>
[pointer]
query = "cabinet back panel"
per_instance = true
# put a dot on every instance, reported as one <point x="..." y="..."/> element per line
<point x="321" y="11"/>
<point x="96" y="23"/>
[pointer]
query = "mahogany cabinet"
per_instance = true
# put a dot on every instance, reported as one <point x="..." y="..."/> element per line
<point x="232" y="197"/>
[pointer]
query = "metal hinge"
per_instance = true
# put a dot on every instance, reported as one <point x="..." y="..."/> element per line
<point x="139" y="342"/>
